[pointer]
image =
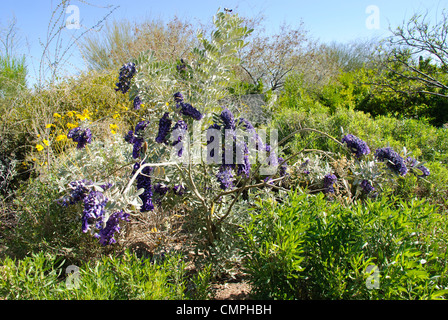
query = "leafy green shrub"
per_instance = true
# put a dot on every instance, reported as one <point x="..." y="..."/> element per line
<point x="47" y="225"/>
<point x="308" y="248"/>
<point x="126" y="277"/>
<point x="411" y="137"/>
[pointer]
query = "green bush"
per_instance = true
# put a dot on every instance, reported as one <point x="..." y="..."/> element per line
<point x="126" y="277"/>
<point x="308" y="248"/>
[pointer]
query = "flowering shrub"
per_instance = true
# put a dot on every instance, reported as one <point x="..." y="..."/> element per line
<point x="203" y="154"/>
<point x="184" y="99"/>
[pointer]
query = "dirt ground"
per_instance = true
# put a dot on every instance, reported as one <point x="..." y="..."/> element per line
<point x="232" y="291"/>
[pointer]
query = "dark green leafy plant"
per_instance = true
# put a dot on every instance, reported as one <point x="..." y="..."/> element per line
<point x="307" y="248"/>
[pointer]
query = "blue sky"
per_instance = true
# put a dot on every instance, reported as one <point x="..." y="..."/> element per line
<point x="326" y="20"/>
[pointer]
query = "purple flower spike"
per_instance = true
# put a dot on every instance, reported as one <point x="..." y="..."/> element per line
<point x="366" y="186"/>
<point x="329" y="181"/>
<point x="356" y="145"/>
<point x="82" y="136"/>
<point x="225" y="177"/>
<point x="180" y="129"/>
<point x="188" y="110"/>
<point x="137" y="103"/>
<point x="178" y="97"/>
<point x="164" y="128"/>
<point x="127" y="71"/>
<point x="412" y="163"/>
<point x="228" y="119"/>
<point x="136" y="138"/>
<point x="106" y="234"/>
<point x="144" y="181"/>
<point x="393" y="160"/>
<point x="94" y="204"/>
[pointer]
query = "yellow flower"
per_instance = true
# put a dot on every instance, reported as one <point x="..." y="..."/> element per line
<point x="80" y="117"/>
<point x="70" y="114"/>
<point x="72" y="125"/>
<point x="56" y="115"/>
<point x="113" y="128"/>
<point x="39" y="147"/>
<point x="61" y="137"/>
<point x="46" y="142"/>
<point x="49" y="125"/>
<point x="116" y="115"/>
<point x="167" y="104"/>
<point x="34" y="159"/>
<point x="85" y="115"/>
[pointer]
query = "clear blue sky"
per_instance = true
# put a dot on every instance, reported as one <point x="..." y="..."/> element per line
<point x="326" y="20"/>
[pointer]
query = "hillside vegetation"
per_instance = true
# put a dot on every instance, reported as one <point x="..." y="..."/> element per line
<point x="108" y="193"/>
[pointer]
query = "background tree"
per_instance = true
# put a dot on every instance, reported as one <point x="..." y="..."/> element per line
<point x="13" y="69"/>
<point x="421" y="49"/>
<point x="122" y="40"/>
<point x="269" y="59"/>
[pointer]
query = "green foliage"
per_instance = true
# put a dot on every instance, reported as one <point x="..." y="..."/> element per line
<point x="42" y="225"/>
<point x="121" y="41"/>
<point x="13" y="73"/>
<point x="293" y="246"/>
<point x="307" y="248"/>
<point x="298" y="109"/>
<point x="125" y="277"/>
<point x="242" y="88"/>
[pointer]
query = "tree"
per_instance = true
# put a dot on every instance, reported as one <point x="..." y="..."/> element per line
<point x="122" y="40"/>
<point x="270" y="59"/>
<point x="13" y="69"/>
<point x="418" y="54"/>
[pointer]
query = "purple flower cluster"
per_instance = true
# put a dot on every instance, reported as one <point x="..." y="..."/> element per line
<point x="304" y="165"/>
<point x="127" y="71"/>
<point x="393" y="160"/>
<point x="161" y="189"/>
<point x="329" y="181"/>
<point x="182" y="67"/>
<point x="225" y="177"/>
<point x="228" y="119"/>
<point x="79" y="190"/>
<point x="106" y="234"/>
<point x="283" y="167"/>
<point x="178" y="97"/>
<point x="164" y="128"/>
<point x="144" y="181"/>
<point x="137" y="103"/>
<point x="271" y="157"/>
<point x="136" y="138"/>
<point x="240" y="161"/>
<point x="367" y="186"/>
<point x="413" y="164"/>
<point x="185" y="108"/>
<point x="178" y="190"/>
<point x="94" y="210"/>
<point x="82" y="136"/>
<point x="94" y="204"/>
<point x="243" y="168"/>
<point x="188" y="110"/>
<point x="180" y="128"/>
<point x="356" y="145"/>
